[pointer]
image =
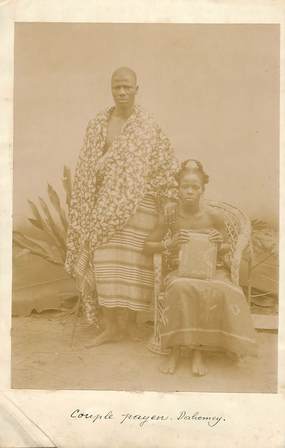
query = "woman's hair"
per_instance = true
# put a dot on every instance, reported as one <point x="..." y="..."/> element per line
<point x="192" y="166"/>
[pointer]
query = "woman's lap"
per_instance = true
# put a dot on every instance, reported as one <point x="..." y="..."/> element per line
<point x="213" y="314"/>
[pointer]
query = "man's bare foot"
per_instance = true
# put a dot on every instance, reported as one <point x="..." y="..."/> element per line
<point x="169" y="366"/>
<point x="106" y="336"/>
<point x="198" y="366"/>
<point x="132" y="330"/>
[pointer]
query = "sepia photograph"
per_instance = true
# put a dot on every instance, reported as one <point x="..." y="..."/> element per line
<point x="146" y="207"/>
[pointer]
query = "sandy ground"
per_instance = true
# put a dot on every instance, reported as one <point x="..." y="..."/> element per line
<point x="42" y="358"/>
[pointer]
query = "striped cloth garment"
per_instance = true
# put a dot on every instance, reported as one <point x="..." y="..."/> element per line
<point x="124" y="274"/>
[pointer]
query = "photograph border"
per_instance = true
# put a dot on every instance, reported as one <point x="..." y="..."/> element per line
<point x="259" y="416"/>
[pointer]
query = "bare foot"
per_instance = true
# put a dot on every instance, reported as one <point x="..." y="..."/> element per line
<point x="105" y="336"/>
<point x="169" y="366"/>
<point x="198" y="366"/>
<point x="132" y="329"/>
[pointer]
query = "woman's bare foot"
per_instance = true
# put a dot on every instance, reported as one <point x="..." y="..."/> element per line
<point x="198" y="366"/>
<point x="169" y="366"/>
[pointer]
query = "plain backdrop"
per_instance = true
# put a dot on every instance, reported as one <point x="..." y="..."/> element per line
<point x="214" y="89"/>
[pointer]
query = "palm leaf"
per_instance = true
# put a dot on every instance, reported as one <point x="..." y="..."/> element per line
<point x="258" y="224"/>
<point x="36" y="223"/>
<point x="263" y="236"/>
<point x="59" y="235"/>
<point x="40" y="223"/>
<point x="27" y="242"/>
<point x="51" y="241"/>
<point x="54" y="199"/>
<point x="36" y="214"/>
<point x="36" y="247"/>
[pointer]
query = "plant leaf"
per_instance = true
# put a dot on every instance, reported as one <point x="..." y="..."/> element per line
<point x="41" y="224"/>
<point x="36" y="212"/>
<point x="37" y="247"/>
<point x="264" y="239"/>
<point x="54" y="199"/>
<point x="53" y="196"/>
<point x="36" y="223"/>
<point x="46" y="235"/>
<point x="259" y="224"/>
<point x="26" y="241"/>
<point x="52" y="225"/>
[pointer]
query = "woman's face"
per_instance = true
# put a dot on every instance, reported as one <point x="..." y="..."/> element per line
<point x="190" y="188"/>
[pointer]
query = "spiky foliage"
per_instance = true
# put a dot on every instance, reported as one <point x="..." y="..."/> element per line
<point x="263" y="237"/>
<point x="51" y="223"/>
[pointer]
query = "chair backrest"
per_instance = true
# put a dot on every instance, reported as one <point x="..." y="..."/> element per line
<point x="238" y="228"/>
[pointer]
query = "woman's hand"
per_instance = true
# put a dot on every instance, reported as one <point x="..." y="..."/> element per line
<point x="179" y="238"/>
<point x="215" y="237"/>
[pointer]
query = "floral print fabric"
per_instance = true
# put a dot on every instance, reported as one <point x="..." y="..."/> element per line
<point x="108" y="187"/>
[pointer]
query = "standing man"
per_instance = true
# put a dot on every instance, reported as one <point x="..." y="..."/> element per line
<point x="124" y="175"/>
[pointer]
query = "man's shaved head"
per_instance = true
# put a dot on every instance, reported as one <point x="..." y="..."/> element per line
<point x="124" y="89"/>
<point x="122" y="72"/>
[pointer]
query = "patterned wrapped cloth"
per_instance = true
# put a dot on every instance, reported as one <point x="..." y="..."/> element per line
<point x="111" y="190"/>
<point x="210" y="314"/>
<point x="207" y="315"/>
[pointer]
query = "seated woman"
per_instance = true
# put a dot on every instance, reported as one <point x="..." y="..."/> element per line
<point x="199" y="314"/>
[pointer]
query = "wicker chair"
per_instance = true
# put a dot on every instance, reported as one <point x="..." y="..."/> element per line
<point x="238" y="228"/>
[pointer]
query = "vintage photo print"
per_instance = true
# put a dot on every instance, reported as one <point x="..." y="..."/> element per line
<point x="145" y="207"/>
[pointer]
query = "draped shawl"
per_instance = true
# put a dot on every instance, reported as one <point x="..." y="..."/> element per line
<point x="108" y="187"/>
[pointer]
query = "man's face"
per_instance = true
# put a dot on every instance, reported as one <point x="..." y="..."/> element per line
<point x="124" y="89"/>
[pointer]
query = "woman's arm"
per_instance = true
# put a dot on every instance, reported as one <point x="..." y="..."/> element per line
<point x="219" y="235"/>
<point x="154" y="242"/>
<point x="157" y="243"/>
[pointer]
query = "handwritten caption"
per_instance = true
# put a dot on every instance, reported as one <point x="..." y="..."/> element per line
<point x="125" y="418"/>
